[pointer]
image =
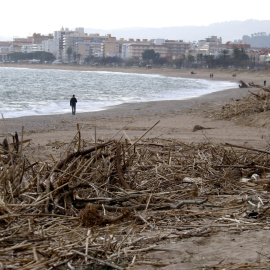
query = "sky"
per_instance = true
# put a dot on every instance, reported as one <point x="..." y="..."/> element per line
<point x="23" y="18"/>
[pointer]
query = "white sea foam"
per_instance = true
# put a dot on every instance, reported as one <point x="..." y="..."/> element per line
<point x="26" y="92"/>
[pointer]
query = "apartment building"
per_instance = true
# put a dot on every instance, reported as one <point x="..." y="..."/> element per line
<point x="112" y="47"/>
<point x="59" y="38"/>
<point x="134" y="50"/>
<point x="70" y="42"/>
<point x="86" y="49"/>
<point x="38" y="38"/>
<point x="31" y="48"/>
<point x="26" y="48"/>
<point x="4" y="50"/>
<point x="165" y="48"/>
<point x="96" y="38"/>
<point x="51" y="46"/>
<point x="210" y="45"/>
<point x="19" y="42"/>
<point x="93" y="45"/>
<point x="176" y="48"/>
<point x="264" y="57"/>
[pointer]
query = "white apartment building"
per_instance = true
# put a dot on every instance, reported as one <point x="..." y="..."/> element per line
<point x="26" y="48"/>
<point x="264" y="58"/>
<point x="31" y="48"/>
<point x="51" y="46"/>
<point x="209" y="45"/>
<point x="59" y="37"/>
<point x="125" y="51"/>
<point x="4" y="51"/>
<point x="37" y="47"/>
<point x="165" y="48"/>
<point x="134" y="50"/>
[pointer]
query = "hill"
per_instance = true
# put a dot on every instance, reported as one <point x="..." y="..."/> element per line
<point x="229" y="31"/>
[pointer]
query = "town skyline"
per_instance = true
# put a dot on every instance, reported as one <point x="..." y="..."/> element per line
<point x="76" y="46"/>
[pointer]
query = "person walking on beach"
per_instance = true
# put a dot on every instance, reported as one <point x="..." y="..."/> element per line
<point x="264" y="83"/>
<point x="73" y="102"/>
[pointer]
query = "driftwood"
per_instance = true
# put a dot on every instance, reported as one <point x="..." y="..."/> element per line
<point x="61" y="163"/>
<point x="198" y="127"/>
<point x="240" y="109"/>
<point x="119" y="169"/>
<point x="248" y="148"/>
<point x="256" y="95"/>
<point x="242" y="84"/>
<point x="103" y="203"/>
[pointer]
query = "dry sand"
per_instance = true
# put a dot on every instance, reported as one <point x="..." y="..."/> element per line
<point x="177" y="120"/>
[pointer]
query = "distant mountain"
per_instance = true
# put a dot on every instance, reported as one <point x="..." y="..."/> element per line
<point x="228" y="31"/>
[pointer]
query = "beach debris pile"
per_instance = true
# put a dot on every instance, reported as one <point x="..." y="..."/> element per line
<point x="106" y="204"/>
<point x="245" y="109"/>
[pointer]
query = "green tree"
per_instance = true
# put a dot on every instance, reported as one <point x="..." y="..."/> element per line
<point x="240" y="58"/>
<point x="161" y="61"/>
<point x="190" y="60"/>
<point x="40" y="55"/>
<point x="150" y="55"/>
<point x="223" y="59"/>
<point x="179" y="62"/>
<point x="89" y="59"/>
<point x="74" y="56"/>
<point x="200" y="59"/>
<point x="79" y="56"/>
<point x="44" y="56"/>
<point x="209" y="61"/>
<point x="69" y="53"/>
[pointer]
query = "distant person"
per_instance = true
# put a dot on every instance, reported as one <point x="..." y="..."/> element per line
<point x="73" y="102"/>
<point x="264" y="83"/>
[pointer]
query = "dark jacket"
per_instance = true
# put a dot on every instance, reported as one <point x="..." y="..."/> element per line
<point x="73" y="102"/>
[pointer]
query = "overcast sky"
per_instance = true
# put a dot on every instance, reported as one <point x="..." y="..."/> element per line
<point x="25" y="17"/>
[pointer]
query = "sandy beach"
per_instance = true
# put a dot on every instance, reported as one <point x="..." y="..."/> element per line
<point x="176" y="118"/>
<point x="223" y="243"/>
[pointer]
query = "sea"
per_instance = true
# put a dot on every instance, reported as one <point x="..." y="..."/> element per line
<point x="28" y="92"/>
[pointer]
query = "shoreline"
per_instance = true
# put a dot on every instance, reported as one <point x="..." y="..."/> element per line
<point x="220" y="75"/>
<point x="137" y="109"/>
<point x="176" y="118"/>
<point x="182" y="73"/>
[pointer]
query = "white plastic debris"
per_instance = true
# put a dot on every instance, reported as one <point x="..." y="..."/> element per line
<point x="255" y="177"/>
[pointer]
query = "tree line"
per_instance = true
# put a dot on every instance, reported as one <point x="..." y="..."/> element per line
<point x="39" y="55"/>
<point x="237" y="59"/>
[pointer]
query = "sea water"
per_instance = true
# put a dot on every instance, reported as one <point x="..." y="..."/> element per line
<point x="26" y="92"/>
